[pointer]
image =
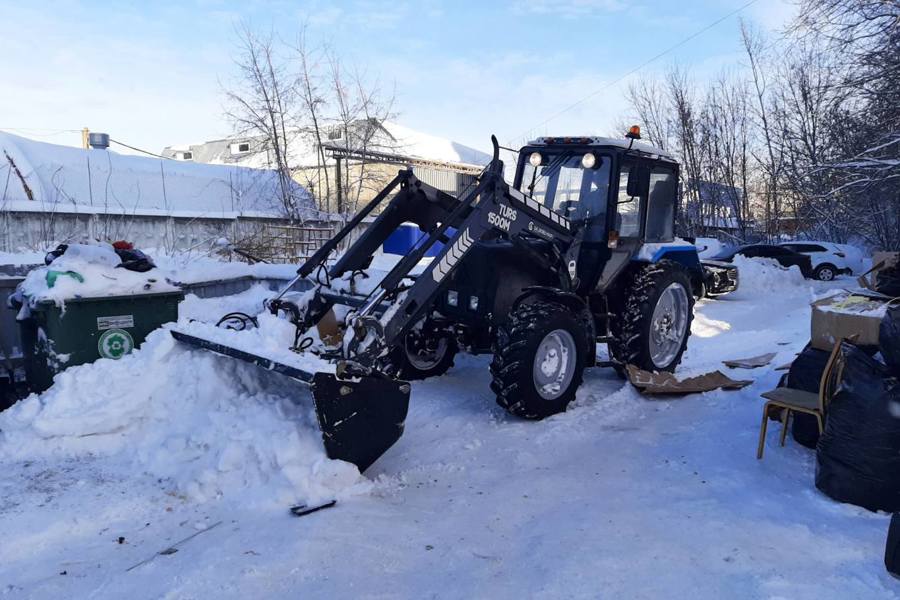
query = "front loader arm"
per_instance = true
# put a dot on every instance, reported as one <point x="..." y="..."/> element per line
<point x="491" y="210"/>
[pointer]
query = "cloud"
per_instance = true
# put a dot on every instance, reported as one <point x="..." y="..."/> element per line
<point x="569" y="8"/>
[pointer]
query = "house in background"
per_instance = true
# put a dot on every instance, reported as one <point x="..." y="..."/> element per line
<point x="347" y="165"/>
<point x="716" y="214"/>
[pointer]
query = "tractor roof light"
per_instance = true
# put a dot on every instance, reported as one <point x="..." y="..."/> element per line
<point x="634" y="132"/>
<point x="535" y="159"/>
<point x="589" y="161"/>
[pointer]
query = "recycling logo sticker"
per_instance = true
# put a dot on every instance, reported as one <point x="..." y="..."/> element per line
<point x="115" y="343"/>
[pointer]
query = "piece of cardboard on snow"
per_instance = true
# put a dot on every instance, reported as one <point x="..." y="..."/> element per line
<point x="667" y="383"/>
<point x="750" y="363"/>
<point x="329" y="330"/>
<point x="845" y="315"/>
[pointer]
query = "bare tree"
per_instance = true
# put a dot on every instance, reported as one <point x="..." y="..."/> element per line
<point x="262" y="104"/>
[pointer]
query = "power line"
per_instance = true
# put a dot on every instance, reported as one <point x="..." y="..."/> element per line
<point x="48" y="132"/>
<point x="639" y="67"/>
<point x="139" y="150"/>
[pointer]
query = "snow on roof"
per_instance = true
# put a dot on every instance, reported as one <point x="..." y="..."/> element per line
<point x="36" y="176"/>
<point x="390" y="138"/>
<point x="423" y="145"/>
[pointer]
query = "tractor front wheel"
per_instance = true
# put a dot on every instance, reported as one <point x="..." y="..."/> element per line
<point x="423" y="356"/>
<point x="539" y="359"/>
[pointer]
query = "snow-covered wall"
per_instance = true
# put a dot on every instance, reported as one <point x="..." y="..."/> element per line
<point x="41" y="177"/>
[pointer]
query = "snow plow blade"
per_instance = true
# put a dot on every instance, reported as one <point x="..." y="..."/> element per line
<point x="360" y="417"/>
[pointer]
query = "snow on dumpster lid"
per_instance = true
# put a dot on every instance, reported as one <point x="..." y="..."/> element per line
<point x="49" y="177"/>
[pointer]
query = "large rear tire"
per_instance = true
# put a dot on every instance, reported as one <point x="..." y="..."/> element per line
<point x="539" y="359"/>
<point x="653" y="321"/>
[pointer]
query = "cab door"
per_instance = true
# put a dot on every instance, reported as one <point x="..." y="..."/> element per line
<point x="626" y="223"/>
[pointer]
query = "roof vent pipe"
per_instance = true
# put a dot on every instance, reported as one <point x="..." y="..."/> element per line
<point x="98" y="141"/>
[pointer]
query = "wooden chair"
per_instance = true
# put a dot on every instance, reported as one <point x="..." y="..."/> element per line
<point x="791" y="400"/>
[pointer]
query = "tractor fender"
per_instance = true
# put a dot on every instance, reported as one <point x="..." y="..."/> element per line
<point x="569" y="300"/>
<point x="683" y="254"/>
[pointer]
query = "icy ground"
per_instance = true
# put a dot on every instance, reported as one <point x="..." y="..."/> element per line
<point x="621" y="496"/>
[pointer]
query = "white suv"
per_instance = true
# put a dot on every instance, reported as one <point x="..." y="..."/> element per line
<point x="828" y="259"/>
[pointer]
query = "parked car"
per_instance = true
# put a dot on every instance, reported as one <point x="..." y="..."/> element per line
<point x="719" y="278"/>
<point x="784" y="256"/>
<point x="828" y="260"/>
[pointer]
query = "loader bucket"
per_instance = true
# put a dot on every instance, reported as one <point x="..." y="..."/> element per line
<point x="360" y="417"/>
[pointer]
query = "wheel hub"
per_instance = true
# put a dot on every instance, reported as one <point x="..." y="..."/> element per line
<point x="554" y="364"/>
<point x="668" y="325"/>
<point x="424" y="356"/>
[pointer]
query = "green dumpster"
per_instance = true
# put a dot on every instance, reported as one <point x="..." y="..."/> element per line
<point x="88" y="329"/>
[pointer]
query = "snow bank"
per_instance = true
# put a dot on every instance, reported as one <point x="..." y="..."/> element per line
<point x="204" y="425"/>
<point x="25" y="257"/>
<point x="187" y="268"/>
<point x="212" y="309"/>
<point x="764" y="277"/>
<point x="97" y="276"/>
<point x="709" y="247"/>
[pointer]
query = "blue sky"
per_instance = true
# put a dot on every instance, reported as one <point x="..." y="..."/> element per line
<point x="150" y="73"/>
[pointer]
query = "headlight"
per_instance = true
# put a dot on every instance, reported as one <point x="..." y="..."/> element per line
<point x="535" y="159"/>
<point x="588" y="161"/>
<point x="452" y="298"/>
<point x="473" y="302"/>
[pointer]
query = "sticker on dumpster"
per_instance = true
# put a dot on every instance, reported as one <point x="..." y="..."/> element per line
<point x="115" y="343"/>
<point x="119" y="322"/>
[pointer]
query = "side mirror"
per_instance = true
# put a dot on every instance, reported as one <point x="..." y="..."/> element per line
<point x="639" y="181"/>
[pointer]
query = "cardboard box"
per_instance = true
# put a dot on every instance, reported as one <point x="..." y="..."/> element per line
<point x="846" y="315"/>
<point x="880" y="260"/>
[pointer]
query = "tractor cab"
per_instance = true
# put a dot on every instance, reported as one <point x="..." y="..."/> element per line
<point x="620" y="194"/>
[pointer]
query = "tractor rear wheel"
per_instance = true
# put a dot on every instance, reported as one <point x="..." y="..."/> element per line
<point x="539" y="359"/>
<point x="653" y="320"/>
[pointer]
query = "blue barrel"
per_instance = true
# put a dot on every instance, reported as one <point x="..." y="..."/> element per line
<point x="407" y="237"/>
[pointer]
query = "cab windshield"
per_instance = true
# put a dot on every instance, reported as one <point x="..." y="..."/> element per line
<point x="563" y="185"/>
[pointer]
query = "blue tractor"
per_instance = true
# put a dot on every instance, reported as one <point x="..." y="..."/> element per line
<point x="578" y="250"/>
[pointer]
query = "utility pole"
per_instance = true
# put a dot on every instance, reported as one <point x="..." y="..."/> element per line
<point x="84" y="138"/>
<point x="337" y="172"/>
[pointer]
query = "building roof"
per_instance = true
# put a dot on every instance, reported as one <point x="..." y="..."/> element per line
<point x="36" y="176"/>
<point x="389" y="138"/>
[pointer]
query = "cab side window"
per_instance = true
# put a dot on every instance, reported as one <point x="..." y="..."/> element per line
<point x="661" y="205"/>
<point x="628" y="208"/>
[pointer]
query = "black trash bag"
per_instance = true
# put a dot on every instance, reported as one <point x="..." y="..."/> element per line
<point x="56" y="253"/>
<point x="887" y="281"/>
<point x="889" y="340"/>
<point x="892" y="546"/>
<point x="858" y="456"/>
<point x="806" y="374"/>
<point x="134" y="260"/>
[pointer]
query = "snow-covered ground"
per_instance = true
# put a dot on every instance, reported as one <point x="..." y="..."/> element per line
<point x="621" y="496"/>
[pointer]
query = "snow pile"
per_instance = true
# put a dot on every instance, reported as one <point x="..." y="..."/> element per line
<point x="90" y="271"/>
<point x="212" y="309"/>
<point x="709" y="247"/>
<point x="760" y="278"/>
<point x="204" y="425"/>
<point x="187" y="268"/>
<point x="24" y="257"/>
<point x="272" y="339"/>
